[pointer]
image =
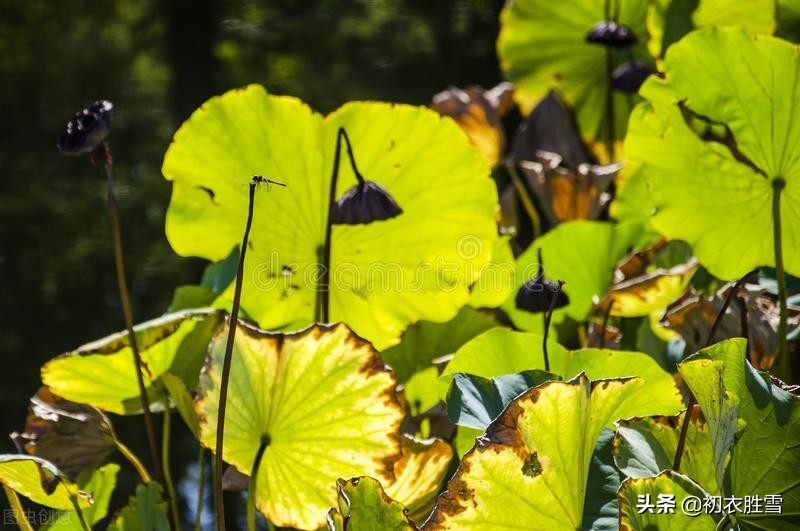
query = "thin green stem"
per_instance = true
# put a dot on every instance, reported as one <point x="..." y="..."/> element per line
<point x="131" y="457"/>
<point x="165" y="438"/>
<point x="73" y="497"/>
<point x="122" y="286"/>
<point x="219" y="505"/>
<point x="604" y="326"/>
<point x="676" y="465"/>
<point x="783" y="346"/>
<point x="610" y="125"/>
<point x="251" y="493"/>
<point x="17" y="509"/>
<point x="525" y="198"/>
<point x="201" y="463"/>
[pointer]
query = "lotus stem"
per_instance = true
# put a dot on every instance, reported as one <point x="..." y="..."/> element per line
<point x="783" y="347"/>
<point x="73" y="497"/>
<point x="201" y="463"/>
<point x="606" y="315"/>
<point x="170" y="486"/>
<point x="547" y="316"/>
<point x="119" y="262"/>
<point x="692" y="401"/>
<point x="251" y="492"/>
<point x="525" y="198"/>
<point x="17" y="509"/>
<point x="132" y="459"/>
<point x="610" y="125"/>
<point x="219" y="505"/>
<point x="322" y="311"/>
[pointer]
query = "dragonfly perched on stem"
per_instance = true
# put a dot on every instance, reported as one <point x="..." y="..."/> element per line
<point x="258" y="180"/>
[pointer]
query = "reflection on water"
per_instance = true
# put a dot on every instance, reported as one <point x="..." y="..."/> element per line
<point x="157" y="61"/>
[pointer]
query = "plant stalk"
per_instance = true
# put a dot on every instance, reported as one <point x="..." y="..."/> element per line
<point x="606" y="315"/>
<point x="547" y="316"/>
<point x="322" y="310"/>
<point x="17" y="510"/>
<point x="170" y="486"/>
<point x="251" y="492"/>
<point x="201" y="463"/>
<point x="525" y="198"/>
<point x="219" y="506"/>
<point x="73" y="497"/>
<point x="783" y="346"/>
<point x="119" y="262"/>
<point x="692" y="401"/>
<point x="131" y="457"/>
<point x="610" y="125"/>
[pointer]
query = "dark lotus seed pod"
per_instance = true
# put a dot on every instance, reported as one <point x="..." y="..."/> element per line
<point x="364" y="203"/>
<point x="612" y="34"/>
<point x="537" y="294"/>
<point x="628" y="77"/>
<point x="87" y="129"/>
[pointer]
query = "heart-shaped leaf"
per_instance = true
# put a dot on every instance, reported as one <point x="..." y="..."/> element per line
<point x="383" y="275"/>
<point x="718" y="138"/>
<point x="320" y="400"/>
<point x="103" y="374"/>
<point x="518" y="475"/>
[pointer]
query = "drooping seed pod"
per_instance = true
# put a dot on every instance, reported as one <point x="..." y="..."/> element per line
<point x="611" y="34"/>
<point x="87" y="129"/>
<point x="628" y="77"/>
<point x="364" y="203"/>
<point x="537" y="294"/>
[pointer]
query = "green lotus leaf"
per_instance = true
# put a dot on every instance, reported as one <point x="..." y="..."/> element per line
<point x="497" y="277"/>
<point x="323" y="403"/>
<point x="100" y="483"/>
<point x="766" y="454"/>
<point x="182" y="399"/>
<point x="638" y="494"/>
<point x="601" y="508"/>
<point x="716" y="136"/>
<point x="146" y="509"/>
<point x="720" y="404"/>
<point x="645" y="447"/>
<point x="424" y="341"/>
<point x="384" y="275"/>
<point x="518" y="475"/>
<point x="500" y="351"/>
<point x="419" y="474"/>
<point x="669" y="20"/>
<point x="583" y="254"/>
<point x="474" y="401"/>
<point x="363" y="505"/>
<point x="465" y="439"/>
<point x="542" y="45"/>
<point x="103" y="374"/>
<point x="40" y="481"/>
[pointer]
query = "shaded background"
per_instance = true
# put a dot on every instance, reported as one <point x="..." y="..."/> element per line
<point x="157" y="62"/>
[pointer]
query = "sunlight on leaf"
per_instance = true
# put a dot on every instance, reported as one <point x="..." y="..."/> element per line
<point x="103" y="375"/>
<point x="384" y="275"/>
<point x="321" y="399"/>
<point x="363" y="505"/>
<point x="668" y="483"/>
<point x="714" y="135"/>
<point x="542" y="45"/>
<point x="518" y="476"/>
<point x="40" y="481"/>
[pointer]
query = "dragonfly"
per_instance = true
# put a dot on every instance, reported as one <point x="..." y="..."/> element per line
<point x="259" y="180"/>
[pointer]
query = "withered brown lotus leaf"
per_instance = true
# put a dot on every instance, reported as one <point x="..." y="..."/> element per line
<point x="74" y="437"/>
